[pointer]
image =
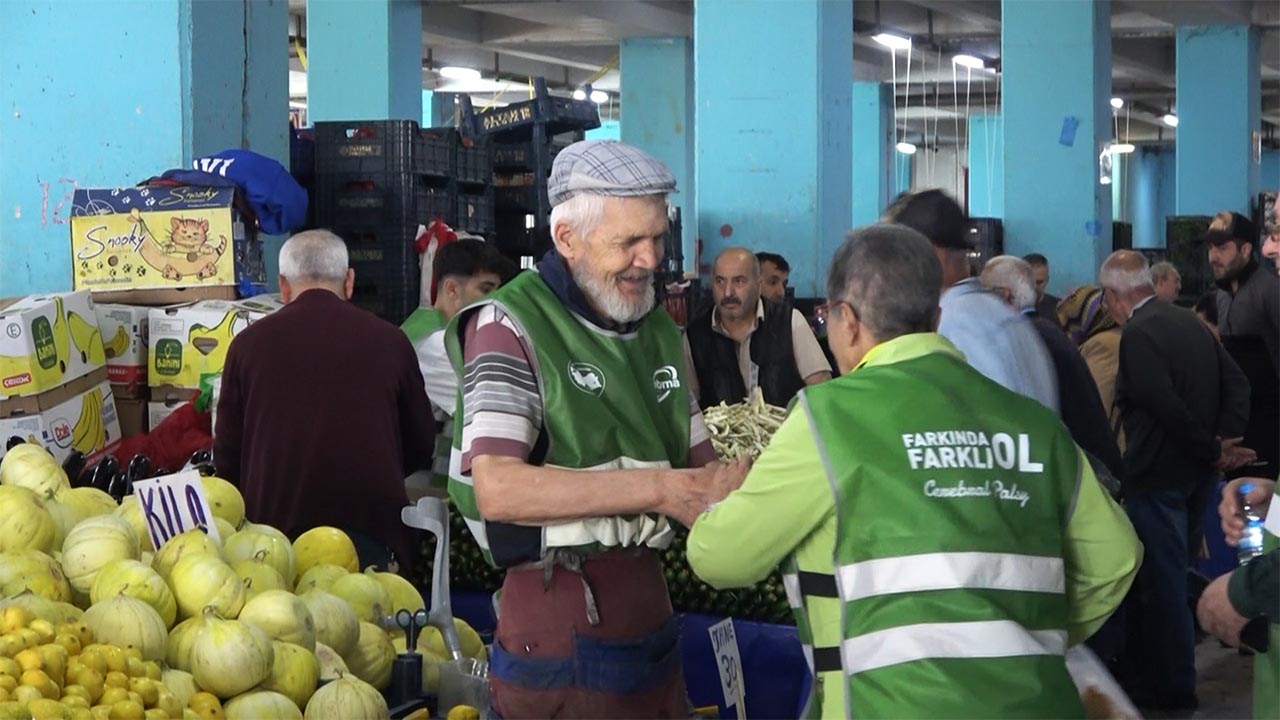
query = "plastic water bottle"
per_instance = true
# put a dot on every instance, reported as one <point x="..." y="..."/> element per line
<point x="1250" y="545"/>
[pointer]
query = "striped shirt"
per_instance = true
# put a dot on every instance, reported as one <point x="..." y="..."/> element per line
<point x="502" y="408"/>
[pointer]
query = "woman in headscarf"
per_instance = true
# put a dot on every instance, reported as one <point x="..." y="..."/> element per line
<point x="1081" y="314"/>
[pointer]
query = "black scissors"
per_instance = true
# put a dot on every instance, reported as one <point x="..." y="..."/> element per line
<point x="412" y="624"/>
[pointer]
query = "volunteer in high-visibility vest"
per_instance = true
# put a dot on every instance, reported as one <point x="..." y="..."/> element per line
<point x="579" y="435"/>
<point x="972" y="544"/>
<point x="464" y="271"/>
<point x="1250" y="591"/>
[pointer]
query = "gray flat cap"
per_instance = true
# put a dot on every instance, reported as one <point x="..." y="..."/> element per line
<point x="607" y="167"/>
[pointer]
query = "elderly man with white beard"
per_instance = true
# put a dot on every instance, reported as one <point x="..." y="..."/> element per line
<point x="582" y="445"/>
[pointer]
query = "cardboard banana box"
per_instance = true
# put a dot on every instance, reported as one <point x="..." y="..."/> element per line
<point x="46" y="341"/>
<point x="124" y="333"/>
<point x="191" y="341"/>
<point x="80" y="415"/>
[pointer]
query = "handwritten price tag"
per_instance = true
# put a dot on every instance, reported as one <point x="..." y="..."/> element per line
<point x="724" y="644"/>
<point x="174" y="504"/>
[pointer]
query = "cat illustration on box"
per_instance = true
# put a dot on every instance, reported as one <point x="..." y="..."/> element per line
<point x="188" y="251"/>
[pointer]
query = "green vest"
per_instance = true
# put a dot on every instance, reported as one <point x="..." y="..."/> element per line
<point x="611" y="401"/>
<point x="421" y="325"/>
<point x="951" y="496"/>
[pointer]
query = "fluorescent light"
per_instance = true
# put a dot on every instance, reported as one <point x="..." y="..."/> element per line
<point x="599" y="97"/>
<point x="1105" y="180"/>
<point x="906" y="148"/>
<point x="1171" y="120"/>
<point x="1121" y="149"/>
<point x="1117" y="103"/>
<point x="891" y="41"/>
<point x="579" y="95"/>
<point x="969" y="61"/>
<point x="459" y="73"/>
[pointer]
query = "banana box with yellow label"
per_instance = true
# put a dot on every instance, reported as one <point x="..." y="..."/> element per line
<point x="124" y="333"/>
<point x="192" y="340"/>
<point x="81" y="415"/>
<point x="47" y="341"/>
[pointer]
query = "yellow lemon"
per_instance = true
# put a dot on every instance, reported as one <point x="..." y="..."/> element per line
<point x="68" y="641"/>
<point x="44" y="630"/>
<point x="463" y="712"/>
<point x="91" y="680"/>
<point x="113" y="695"/>
<point x="25" y="694"/>
<point x="14" y="618"/>
<point x="127" y="710"/>
<point x="77" y="691"/>
<point x="45" y="709"/>
<point x="40" y="681"/>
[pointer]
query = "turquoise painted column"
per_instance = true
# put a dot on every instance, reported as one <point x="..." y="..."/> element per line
<point x="986" y="166"/>
<point x="79" y="114"/>
<point x="1144" y="191"/>
<point x="773" y="82"/>
<point x="443" y="109"/>
<point x="873" y="131"/>
<point x="1054" y="133"/>
<point x="657" y="91"/>
<point x="364" y="60"/>
<point x="1270" y="179"/>
<point x="1219" y="105"/>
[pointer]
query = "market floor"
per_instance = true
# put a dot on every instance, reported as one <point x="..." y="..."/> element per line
<point x="1225" y="682"/>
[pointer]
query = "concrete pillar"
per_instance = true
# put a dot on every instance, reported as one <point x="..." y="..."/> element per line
<point x="873" y="132"/>
<point x="1054" y="133"/>
<point x="986" y="166"/>
<point x="81" y="113"/>
<point x="364" y="60"/>
<point x="1219" y="96"/>
<point x="657" y="90"/>
<point x="774" y="152"/>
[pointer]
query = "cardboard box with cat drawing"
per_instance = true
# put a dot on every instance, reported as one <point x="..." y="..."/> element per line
<point x="162" y="238"/>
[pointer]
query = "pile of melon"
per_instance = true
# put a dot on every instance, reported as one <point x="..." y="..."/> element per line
<point x="96" y="624"/>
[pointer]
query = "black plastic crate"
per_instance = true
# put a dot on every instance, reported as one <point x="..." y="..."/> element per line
<point x="519" y="156"/>
<point x="389" y="295"/>
<point x="518" y="198"/>
<point x="474" y="162"/>
<point x="475" y="213"/>
<point x="436" y="202"/>
<point x="302" y="157"/>
<point x="433" y="155"/>
<point x="369" y="146"/>
<point x="368" y="199"/>
<point x="391" y="247"/>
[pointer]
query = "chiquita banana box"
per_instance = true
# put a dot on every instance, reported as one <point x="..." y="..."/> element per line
<point x="158" y="237"/>
<point x="47" y="341"/>
<point x="192" y="340"/>
<point x="124" y="339"/>
<point x="86" y="421"/>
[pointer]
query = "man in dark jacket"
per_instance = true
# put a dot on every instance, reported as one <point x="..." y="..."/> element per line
<point x="1080" y="404"/>
<point x="744" y="342"/>
<point x="1184" y="406"/>
<point x="1249" y="323"/>
<point x="322" y="412"/>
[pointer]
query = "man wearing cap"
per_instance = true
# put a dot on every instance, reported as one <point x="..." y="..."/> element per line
<point x="582" y="445"/>
<point x="1249" y="325"/>
<point x="996" y="341"/>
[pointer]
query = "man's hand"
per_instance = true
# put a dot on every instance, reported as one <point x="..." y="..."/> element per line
<point x="1229" y="509"/>
<point x="1217" y="616"/>
<point x="1234" y="456"/>
<point x="688" y="494"/>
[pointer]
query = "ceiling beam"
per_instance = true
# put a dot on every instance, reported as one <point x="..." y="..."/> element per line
<point x="985" y="15"/>
<point x="638" y="18"/>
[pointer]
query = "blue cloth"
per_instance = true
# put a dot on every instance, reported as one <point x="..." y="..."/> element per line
<point x="998" y="342"/>
<point x="275" y="197"/>
<point x="606" y="666"/>
<point x="1162" y="640"/>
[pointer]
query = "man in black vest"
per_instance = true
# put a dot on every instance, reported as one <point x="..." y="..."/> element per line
<point x="745" y="342"/>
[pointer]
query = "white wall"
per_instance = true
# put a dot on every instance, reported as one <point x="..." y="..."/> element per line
<point x="938" y="169"/>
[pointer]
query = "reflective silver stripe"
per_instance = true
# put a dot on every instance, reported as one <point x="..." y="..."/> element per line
<point x="908" y="643"/>
<point x="950" y="571"/>
<point x="791" y="583"/>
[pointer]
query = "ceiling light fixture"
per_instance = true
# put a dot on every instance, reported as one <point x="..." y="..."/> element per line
<point x="1171" y="120"/>
<point x="599" y="97"/>
<point x="1121" y="148"/>
<point x="1104" y="180"/>
<point x="891" y="41"/>
<point x="969" y="61"/>
<point x="579" y="95"/>
<point x="459" y="73"/>
<point x="906" y="148"/>
<point x="1117" y="103"/>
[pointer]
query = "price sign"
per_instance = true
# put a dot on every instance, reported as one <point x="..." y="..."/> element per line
<point x="174" y="504"/>
<point x="724" y="645"/>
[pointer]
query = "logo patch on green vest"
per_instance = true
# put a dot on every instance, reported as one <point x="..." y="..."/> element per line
<point x="587" y="377"/>
<point x="665" y="379"/>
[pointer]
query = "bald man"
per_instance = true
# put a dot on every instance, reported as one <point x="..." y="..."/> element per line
<point x="744" y="341"/>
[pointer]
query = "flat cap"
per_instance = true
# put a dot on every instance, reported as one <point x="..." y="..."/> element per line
<point x="607" y="167"/>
